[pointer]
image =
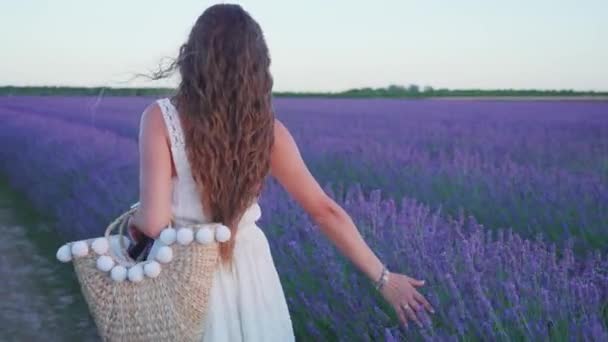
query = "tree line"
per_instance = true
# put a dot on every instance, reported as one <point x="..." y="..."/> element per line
<point x="392" y="91"/>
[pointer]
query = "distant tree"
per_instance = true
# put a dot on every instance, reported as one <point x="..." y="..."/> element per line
<point x="395" y="88"/>
<point x="413" y="89"/>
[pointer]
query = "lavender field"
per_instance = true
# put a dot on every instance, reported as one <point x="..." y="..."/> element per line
<point x="501" y="206"/>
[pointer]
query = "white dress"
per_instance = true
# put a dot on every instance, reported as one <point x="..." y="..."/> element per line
<point x="248" y="304"/>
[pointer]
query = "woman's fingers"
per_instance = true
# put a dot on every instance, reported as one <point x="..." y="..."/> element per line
<point x="415" y="282"/>
<point x="408" y="302"/>
<point x="401" y="315"/>
<point x="420" y="298"/>
<point x="411" y="314"/>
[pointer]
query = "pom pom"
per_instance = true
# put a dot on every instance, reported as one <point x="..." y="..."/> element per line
<point x="222" y="233"/>
<point x="184" y="236"/>
<point x="136" y="273"/>
<point x="105" y="263"/>
<point x="164" y="254"/>
<point x="204" y="235"/>
<point x="152" y="269"/>
<point x="100" y="245"/>
<point x="119" y="273"/>
<point x="64" y="254"/>
<point x="167" y="236"/>
<point x="80" y="248"/>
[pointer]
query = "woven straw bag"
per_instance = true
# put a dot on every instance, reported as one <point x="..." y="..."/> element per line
<point x="164" y="299"/>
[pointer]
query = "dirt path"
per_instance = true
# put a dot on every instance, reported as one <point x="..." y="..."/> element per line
<point x="40" y="298"/>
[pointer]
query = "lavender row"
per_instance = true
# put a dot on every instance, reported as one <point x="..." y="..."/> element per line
<point x="533" y="166"/>
<point x="118" y="115"/>
<point x="543" y="134"/>
<point x="526" y="132"/>
<point x="486" y="284"/>
<point x="60" y="168"/>
<point x="523" y="132"/>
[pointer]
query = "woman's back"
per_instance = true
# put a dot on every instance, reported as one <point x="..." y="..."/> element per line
<point x="246" y="303"/>
<point x="186" y="204"/>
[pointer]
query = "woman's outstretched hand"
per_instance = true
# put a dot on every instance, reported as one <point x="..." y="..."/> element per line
<point x="400" y="291"/>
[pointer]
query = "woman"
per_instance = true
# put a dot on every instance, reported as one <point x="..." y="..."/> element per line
<point x="204" y="155"/>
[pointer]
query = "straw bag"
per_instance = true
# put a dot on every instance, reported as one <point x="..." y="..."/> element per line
<point x="164" y="299"/>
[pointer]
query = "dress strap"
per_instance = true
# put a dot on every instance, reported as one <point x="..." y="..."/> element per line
<point x="172" y="122"/>
<point x="176" y="134"/>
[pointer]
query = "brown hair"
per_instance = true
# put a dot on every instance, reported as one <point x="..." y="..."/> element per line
<point x="224" y="100"/>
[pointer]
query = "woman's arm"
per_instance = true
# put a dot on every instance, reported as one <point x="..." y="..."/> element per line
<point x="155" y="172"/>
<point x="289" y="169"/>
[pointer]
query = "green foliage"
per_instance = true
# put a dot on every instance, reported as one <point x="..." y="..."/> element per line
<point x="413" y="91"/>
<point x="392" y="91"/>
<point x="84" y="91"/>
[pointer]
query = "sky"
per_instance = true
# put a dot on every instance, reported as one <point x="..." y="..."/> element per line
<point x="318" y="45"/>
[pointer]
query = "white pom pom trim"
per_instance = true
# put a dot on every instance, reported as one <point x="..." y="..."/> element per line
<point x="80" y="248"/>
<point x="152" y="269"/>
<point x="118" y="273"/>
<point x="168" y="236"/>
<point x="184" y="236"/>
<point x="136" y="273"/>
<point x="100" y="245"/>
<point x="64" y="253"/>
<point x="105" y="263"/>
<point x="222" y="233"/>
<point x="164" y="254"/>
<point x="204" y="235"/>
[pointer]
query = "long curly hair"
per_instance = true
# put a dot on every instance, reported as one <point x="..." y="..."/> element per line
<point x="224" y="100"/>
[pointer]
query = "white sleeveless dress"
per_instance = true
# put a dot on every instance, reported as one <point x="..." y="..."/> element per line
<point x="247" y="304"/>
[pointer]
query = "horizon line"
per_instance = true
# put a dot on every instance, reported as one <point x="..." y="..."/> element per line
<point x="404" y="87"/>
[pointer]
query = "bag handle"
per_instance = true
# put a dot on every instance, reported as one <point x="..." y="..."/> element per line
<point x="121" y="223"/>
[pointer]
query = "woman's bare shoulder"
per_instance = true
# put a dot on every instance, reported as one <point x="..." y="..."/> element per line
<point x="152" y="121"/>
<point x="279" y="127"/>
<point x="288" y="167"/>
